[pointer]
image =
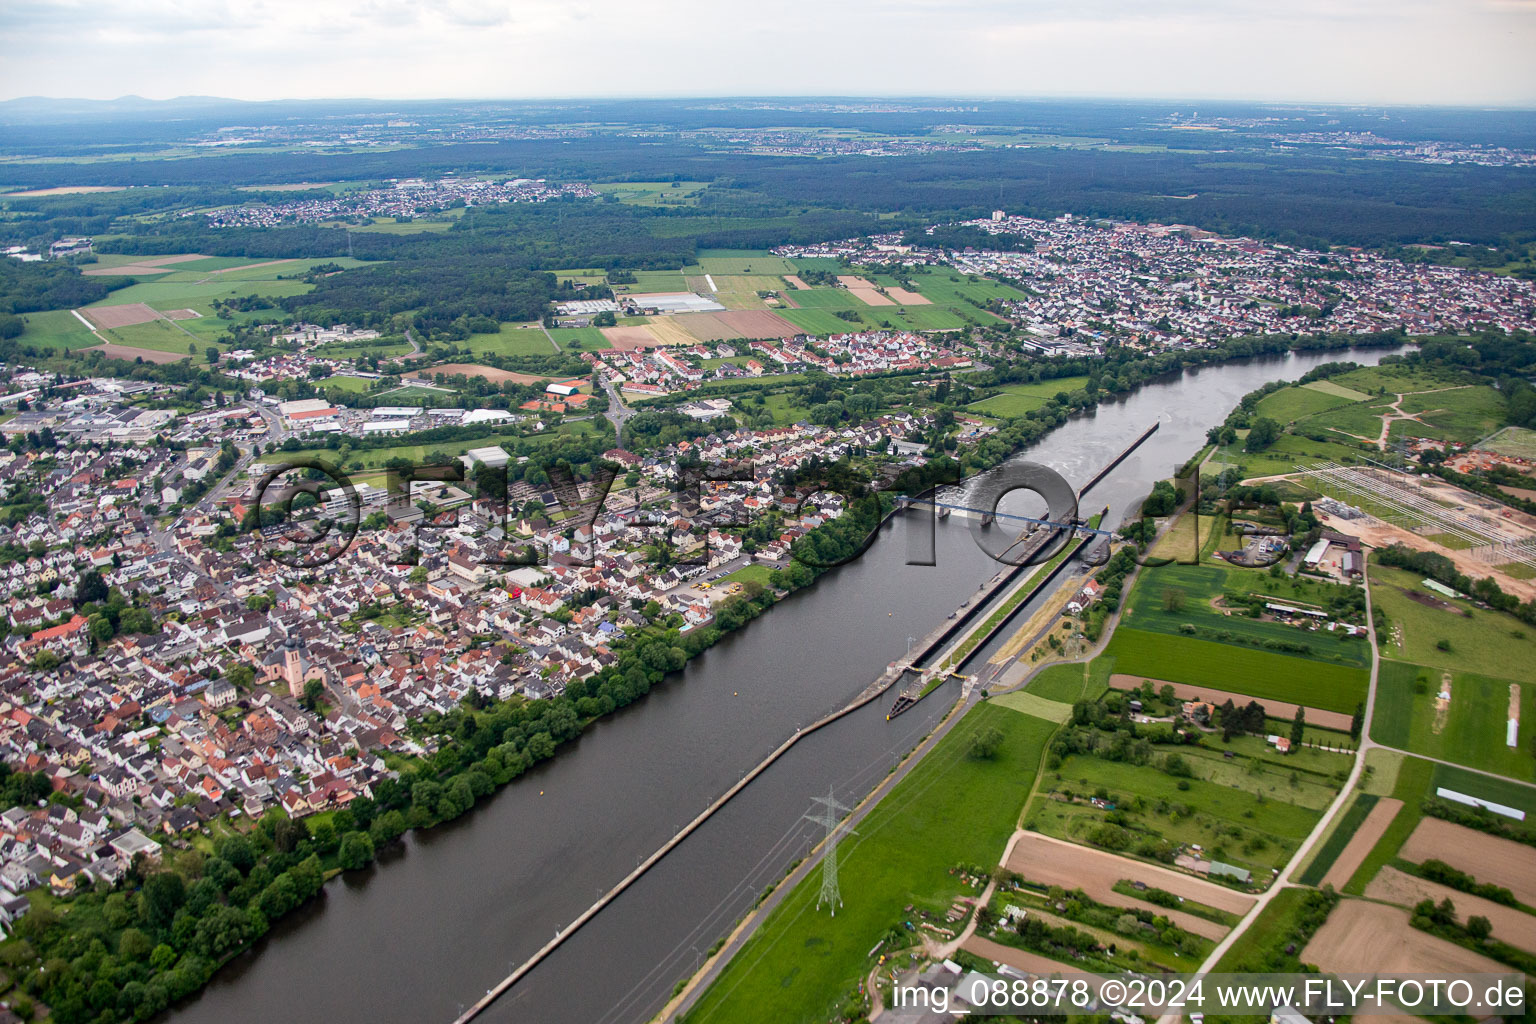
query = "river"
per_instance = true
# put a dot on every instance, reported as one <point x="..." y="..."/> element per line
<point x="443" y="916"/>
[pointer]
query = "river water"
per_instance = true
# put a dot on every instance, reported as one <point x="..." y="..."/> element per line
<point x="445" y="915"/>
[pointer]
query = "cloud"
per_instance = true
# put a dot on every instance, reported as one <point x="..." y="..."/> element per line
<point x="1378" y="51"/>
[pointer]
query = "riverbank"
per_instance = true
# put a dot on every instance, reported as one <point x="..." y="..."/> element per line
<point x="647" y="769"/>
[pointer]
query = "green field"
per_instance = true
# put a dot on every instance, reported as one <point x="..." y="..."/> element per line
<point x="948" y="287"/>
<point x="1401" y="378"/>
<point x="1018" y="399"/>
<point x="1473" y="732"/>
<point x="1192" y="588"/>
<point x="1412" y="786"/>
<point x="160" y="336"/>
<point x="588" y="339"/>
<point x="951" y="809"/>
<point x="1344" y="828"/>
<point x="1066" y="683"/>
<point x="1480" y="640"/>
<point x="1465" y="414"/>
<point x="827" y="298"/>
<point x="654" y="193"/>
<point x="1287" y="453"/>
<point x="1257" y="673"/>
<point x="355" y="385"/>
<point x="510" y="340"/>
<point x="1030" y="703"/>
<point x="1294" y="403"/>
<point x="1361" y="419"/>
<point x="821" y="321"/>
<point x="57" y="329"/>
<point x="765" y="264"/>
<point x="1501" y="791"/>
<point x="1515" y="441"/>
<point x="648" y="281"/>
<point x="1245" y="811"/>
<point x="1328" y="387"/>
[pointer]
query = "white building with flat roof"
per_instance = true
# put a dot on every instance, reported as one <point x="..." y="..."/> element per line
<point x="494" y="456"/>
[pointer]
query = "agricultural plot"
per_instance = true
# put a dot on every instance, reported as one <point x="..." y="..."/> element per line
<point x="648" y="281"/>
<point x="822" y="321"/>
<point x="740" y="291"/>
<point x="1510" y="924"/>
<point x="1244" y="670"/>
<point x="1486" y="787"/>
<point x="1049" y="861"/>
<point x="946" y="287"/>
<point x="827" y="298"/>
<point x="59" y="330"/>
<point x="158" y="336"/>
<point x="747" y="264"/>
<point x="1486" y="858"/>
<point x="1372" y="937"/>
<point x="1340" y="835"/>
<point x="1032" y="704"/>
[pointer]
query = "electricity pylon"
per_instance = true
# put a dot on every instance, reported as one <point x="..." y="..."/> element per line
<point x="829" y="817"/>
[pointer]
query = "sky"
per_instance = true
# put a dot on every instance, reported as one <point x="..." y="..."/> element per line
<point x="1433" y="52"/>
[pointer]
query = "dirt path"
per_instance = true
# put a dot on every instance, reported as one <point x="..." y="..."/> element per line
<point x="1365" y="837"/>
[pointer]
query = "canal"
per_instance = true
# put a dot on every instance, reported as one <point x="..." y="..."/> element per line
<point x="442" y="917"/>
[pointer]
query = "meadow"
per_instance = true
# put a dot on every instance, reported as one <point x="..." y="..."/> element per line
<point x="1465" y="414"/>
<point x="588" y="339"/>
<point x="1018" y="399"/>
<point x="510" y="340"/>
<point x="1170" y="597"/>
<point x="1478" y="639"/>
<point x="1289" y="452"/>
<point x="1400" y="378"/>
<point x="951" y="809"/>
<point x="1249" y="796"/>
<point x="1298" y="401"/>
<point x="1473" y="732"/>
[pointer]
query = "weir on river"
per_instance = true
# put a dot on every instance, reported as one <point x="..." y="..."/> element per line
<point x="446" y="914"/>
